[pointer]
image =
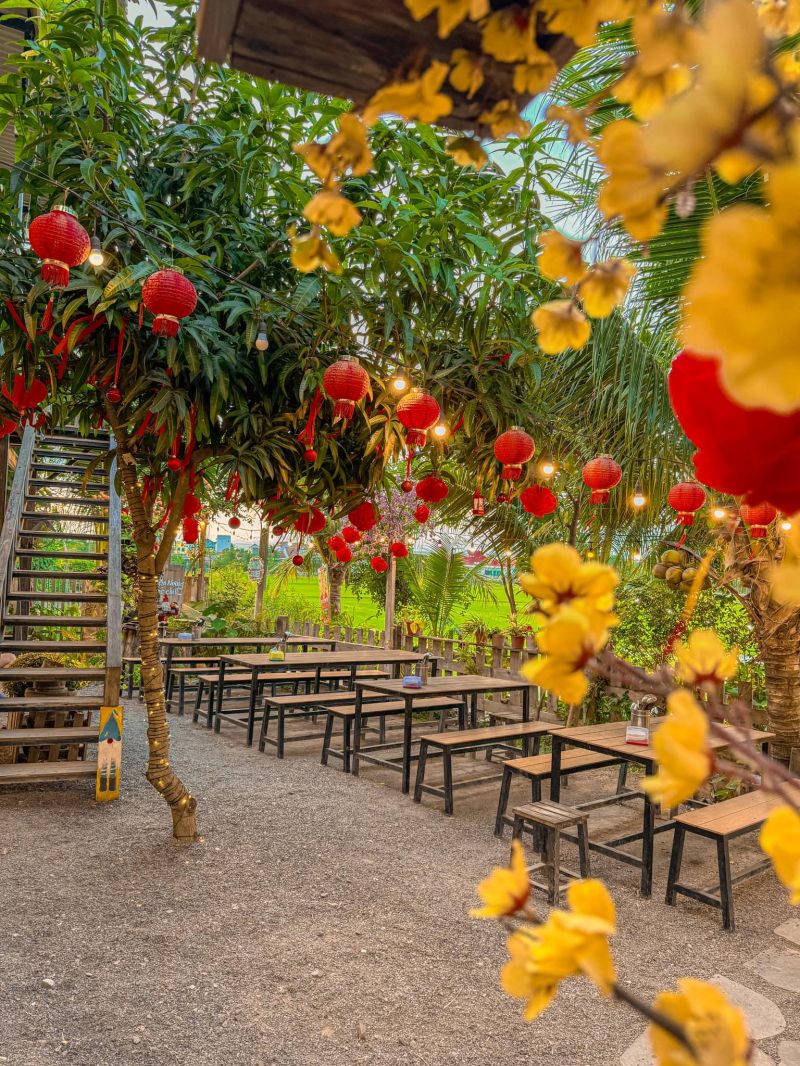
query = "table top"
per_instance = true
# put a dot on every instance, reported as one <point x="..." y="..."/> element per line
<point x="254" y="642"/>
<point x="610" y="737"/>
<point x="460" y="684"/>
<point x="367" y="657"/>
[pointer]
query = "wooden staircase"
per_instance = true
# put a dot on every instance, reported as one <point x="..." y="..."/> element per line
<point x="62" y="509"/>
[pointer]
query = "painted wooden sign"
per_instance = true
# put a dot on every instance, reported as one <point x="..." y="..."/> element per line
<point x="109" y="754"/>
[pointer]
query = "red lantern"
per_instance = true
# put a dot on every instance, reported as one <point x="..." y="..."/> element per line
<point x="478" y="504"/>
<point x="344" y="555"/>
<point x="418" y="411"/>
<point x="336" y="543"/>
<point x="422" y="513"/>
<point x="513" y="449"/>
<point x="346" y="383"/>
<point x="351" y="535"/>
<point x="169" y="296"/>
<point x="191" y="506"/>
<point x="757" y="517"/>
<point x="432" y="489"/>
<point x="379" y="565"/>
<point x="174" y="463"/>
<point x="406" y="485"/>
<point x="686" y="497"/>
<point x="365" y="517"/>
<point x="538" y="500"/>
<point x="398" y="549"/>
<point x="297" y="560"/>
<point x="277" y="530"/>
<point x="234" y="522"/>
<point x="61" y="242"/>
<point x="310" y="522"/>
<point x="310" y="455"/>
<point x="191" y="530"/>
<point x="742" y="451"/>
<point x="113" y="395"/>
<point x="601" y="475"/>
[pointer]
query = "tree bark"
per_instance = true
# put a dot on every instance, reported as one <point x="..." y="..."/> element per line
<point x="780" y="652"/>
<point x="335" y="583"/>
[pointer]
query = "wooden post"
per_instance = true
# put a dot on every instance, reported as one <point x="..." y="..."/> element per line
<point x="391" y="588"/>
<point x="263" y="554"/>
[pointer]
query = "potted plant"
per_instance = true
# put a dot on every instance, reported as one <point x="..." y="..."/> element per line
<point x="519" y="633"/>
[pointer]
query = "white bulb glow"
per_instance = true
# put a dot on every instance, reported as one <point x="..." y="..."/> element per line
<point x="399" y="384"/>
<point x="96" y="257"/>
<point x="440" y="430"/>
<point x="719" y="513"/>
<point x="786" y="525"/>
<point x="548" y="467"/>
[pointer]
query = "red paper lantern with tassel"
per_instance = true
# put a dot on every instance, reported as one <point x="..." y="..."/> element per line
<point x="513" y="449"/>
<point x="310" y="522"/>
<point x="398" y="550"/>
<point x="422" y="514"/>
<point x="346" y="382"/>
<point x="478" y="504"/>
<point x="378" y="564"/>
<point x="191" y="530"/>
<point x="601" y="474"/>
<point x="61" y="242"/>
<point x="351" y="534"/>
<point x="686" y="498"/>
<point x="418" y="411"/>
<point x="432" y="489"/>
<point x="538" y="500"/>
<point x="365" y="517"/>
<point x="757" y="517"/>
<point x="169" y="296"/>
<point x="344" y="555"/>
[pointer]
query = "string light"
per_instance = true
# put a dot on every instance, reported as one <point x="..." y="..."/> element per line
<point x="399" y="384"/>
<point x="440" y="430"/>
<point x="719" y="513"/>
<point x="547" y="467"/>
<point x="262" y="342"/>
<point x="786" y="525"/>
<point x="639" y="498"/>
<point x="96" y="257"/>
<point x="637" y="556"/>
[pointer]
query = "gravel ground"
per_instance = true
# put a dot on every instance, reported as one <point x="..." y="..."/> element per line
<point x="321" y="922"/>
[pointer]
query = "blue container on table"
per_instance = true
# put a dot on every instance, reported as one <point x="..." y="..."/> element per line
<point x="412" y="681"/>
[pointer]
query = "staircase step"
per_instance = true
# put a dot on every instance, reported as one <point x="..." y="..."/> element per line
<point x="70" y="454"/>
<point x="40" y="553"/>
<point x="61" y="620"/>
<point x="62" y="575"/>
<point x="80" y="501"/>
<point x="84" y="442"/>
<point x="32" y="773"/>
<point x="51" y="703"/>
<point x="78" y="486"/>
<point x="55" y="597"/>
<point x="61" y="517"/>
<point x="53" y="673"/>
<point x="46" y="738"/>
<point x="56" y="534"/>
<point x="87" y="647"/>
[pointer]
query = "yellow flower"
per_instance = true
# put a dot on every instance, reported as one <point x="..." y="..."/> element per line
<point x="349" y="148"/>
<point x="467" y="152"/>
<point x="635" y="188"/>
<point x="780" y="839"/>
<point x="509" y="35"/>
<point x="316" y="158"/>
<point x="741" y="299"/>
<point x="780" y="18"/>
<point x="664" y="39"/>
<point x="561" y="578"/>
<point x="560" y="259"/>
<point x="334" y="211"/>
<point x="703" y="660"/>
<point x="787" y="65"/>
<point x="451" y="12"/>
<point x="506" y="890"/>
<point x="577" y="19"/>
<point x="560" y="324"/>
<point x="569" y="640"/>
<point x="715" y="1028"/>
<point x="310" y="251"/>
<point x="504" y="120"/>
<point x="605" y="285"/>
<point x="416" y="99"/>
<point x="569" y="943"/>
<point x="647" y="93"/>
<point x="535" y="75"/>
<point x="467" y="73"/>
<point x="575" y="122"/>
<point x="681" y="747"/>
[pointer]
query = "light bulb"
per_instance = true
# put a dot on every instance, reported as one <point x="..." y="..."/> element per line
<point x="262" y="343"/>
<point x="96" y="257"/>
<point x="786" y="525"/>
<point x="440" y="430"/>
<point x="399" y="384"/>
<point x="639" y="499"/>
<point x="637" y="556"/>
<point x="548" y="468"/>
<point x="720" y="513"/>
<point x="590" y="555"/>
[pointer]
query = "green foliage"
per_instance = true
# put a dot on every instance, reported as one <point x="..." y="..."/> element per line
<point x="440" y="584"/>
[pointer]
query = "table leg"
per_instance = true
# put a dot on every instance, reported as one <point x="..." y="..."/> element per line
<point x="648" y="841"/>
<point x="356" y="738"/>
<point x="555" y="769"/>
<point x="217" y="694"/>
<point x="251" y="714"/>
<point x="473" y="711"/>
<point x="526" y="704"/>
<point x="168" y="673"/>
<point x="407" y="720"/>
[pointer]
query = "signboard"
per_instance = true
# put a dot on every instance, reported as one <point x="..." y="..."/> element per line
<point x="171" y="583"/>
<point x="255" y="569"/>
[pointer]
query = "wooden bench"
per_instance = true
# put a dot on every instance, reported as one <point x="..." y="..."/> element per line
<point x="537" y="768"/>
<point x="469" y="740"/>
<point x="720" y="822"/>
<point x="548" y="820"/>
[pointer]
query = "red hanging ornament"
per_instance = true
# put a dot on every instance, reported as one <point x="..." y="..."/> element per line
<point x="191" y="530"/>
<point x="432" y="489"/>
<point x="398" y="549"/>
<point x="279" y="531"/>
<point x="113" y="394"/>
<point x="418" y="411"/>
<point x="310" y="522"/>
<point x="174" y="463"/>
<point x="169" y="296"/>
<point x="686" y="497"/>
<point x="336" y="543"/>
<point x="61" y="242"/>
<point x="422" y="513"/>
<point x="478" y="504"/>
<point x="191" y="506"/>
<point x="538" y="500"/>
<point x="234" y="522"/>
<point x="297" y="560"/>
<point x="601" y="474"/>
<point x="365" y="517"/>
<point x="346" y="382"/>
<point x="502" y="497"/>
<point x="344" y="555"/>
<point x="378" y="564"/>
<point x="306" y="435"/>
<point x="757" y="517"/>
<point x="406" y="485"/>
<point x="310" y="455"/>
<point x="513" y="449"/>
<point x="351" y="534"/>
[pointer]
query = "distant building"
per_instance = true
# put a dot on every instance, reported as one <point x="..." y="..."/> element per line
<point x="224" y="542"/>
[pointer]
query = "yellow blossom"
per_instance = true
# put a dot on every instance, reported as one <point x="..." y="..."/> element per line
<point x="310" y="251"/>
<point x="569" y="641"/>
<point x="560" y="258"/>
<point x="681" y="747"/>
<point x="467" y="152"/>
<point x="451" y="12"/>
<point x="504" y="120"/>
<point x="780" y="18"/>
<point x="466" y="75"/>
<point x="787" y="65"/>
<point x="334" y="211"/>
<point x="575" y="121"/>
<point x="703" y="660"/>
<point x="647" y="93"/>
<point x="664" y="39"/>
<point x="417" y="99"/>
<point x="577" y="19"/>
<point x="560" y="324"/>
<point x="316" y="158"/>
<point x="535" y="75"/>
<point x="569" y="943"/>
<point x="561" y="578"/>
<point x="509" y="35"/>
<point x="715" y="1028"/>
<point x="635" y="187"/>
<point x="506" y="890"/>
<point x="605" y="285"/>
<point x="780" y="839"/>
<point x="349" y="148"/>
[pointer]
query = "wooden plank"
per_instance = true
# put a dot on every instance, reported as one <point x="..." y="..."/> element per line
<point x="216" y="21"/>
<point x="49" y="736"/>
<point x="493" y="732"/>
<point x="109" y="754"/>
<point x="36" y="773"/>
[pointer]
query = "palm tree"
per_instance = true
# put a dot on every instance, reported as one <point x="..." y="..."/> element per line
<point x="440" y="582"/>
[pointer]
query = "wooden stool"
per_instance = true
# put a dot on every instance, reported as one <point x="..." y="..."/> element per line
<point x="547" y="821"/>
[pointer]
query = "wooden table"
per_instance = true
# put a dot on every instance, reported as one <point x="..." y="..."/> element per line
<point x="312" y="660"/>
<point x="609" y="739"/>
<point x="462" y="688"/>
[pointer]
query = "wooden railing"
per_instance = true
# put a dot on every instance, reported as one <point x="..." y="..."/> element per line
<point x="114" y="601"/>
<point x="13" y="517"/>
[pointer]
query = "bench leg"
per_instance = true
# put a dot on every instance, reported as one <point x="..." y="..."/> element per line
<point x="447" y="761"/>
<point x="676" y="858"/>
<point x="170" y="687"/>
<point x="347" y="733"/>
<point x="326" y="740"/>
<point x="583" y="850"/>
<point x="502" y="803"/>
<point x="212" y="690"/>
<point x="131" y="671"/>
<point x="262" y="734"/>
<point x="181" y="694"/>
<point x="281" y="732"/>
<point x="423" y="758"/>
<point x="725" y="886"/>
<point x="552" y="859"/>
<point x="198" y="700"/>
<point x="516" y="829"/>
<point x="622" y="776"/>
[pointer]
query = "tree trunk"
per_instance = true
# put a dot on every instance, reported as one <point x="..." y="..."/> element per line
<point x="263" y="554"/>
<point x="335" y="583"/>
<point x="781" y="655"/>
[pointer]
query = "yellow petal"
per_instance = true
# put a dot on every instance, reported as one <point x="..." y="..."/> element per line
<point x="780" y="839"/>
<point x="559" y="325"/>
